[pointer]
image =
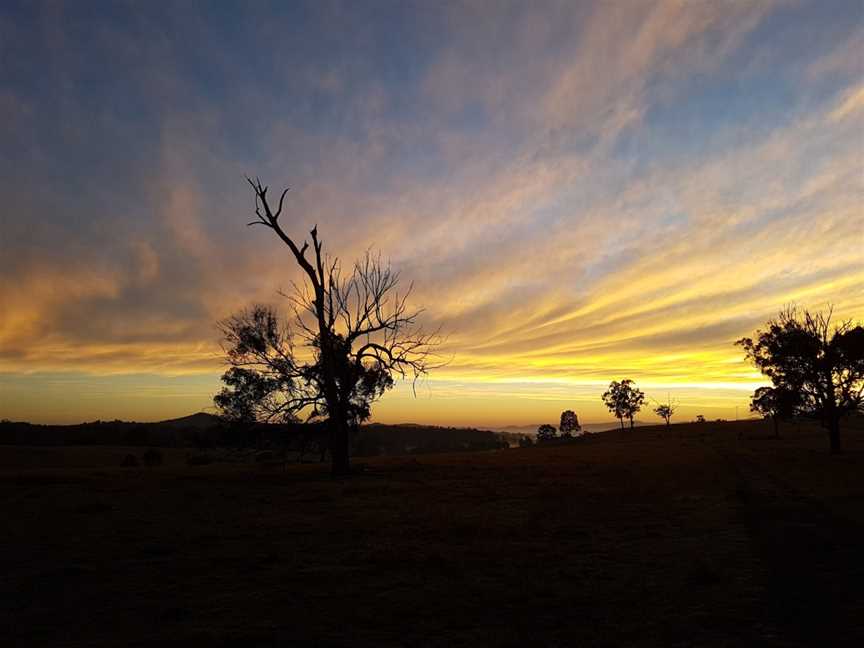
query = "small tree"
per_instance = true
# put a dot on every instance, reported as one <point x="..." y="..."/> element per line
<point x="525" y="442"/>
<point x="624" y="400"/>
<point x="545" y="432"/>
<point x="700" y="418"/>
<point x="569" y="423"/>
<point x="774" y="403"/>
<point x="666" y="411"/>
<point x="802" y="353"/>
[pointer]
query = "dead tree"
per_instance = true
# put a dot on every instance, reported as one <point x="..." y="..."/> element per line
<point x="360" y="329"/>
<point x="666" y="411"/>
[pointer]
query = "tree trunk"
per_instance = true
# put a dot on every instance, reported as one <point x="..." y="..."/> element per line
<point x="621" y="420"/>
<point x="631" y="422"/>
<point x="832" y="413"/>
<point x="340" y="460"/>
<point x="340" y="450"/>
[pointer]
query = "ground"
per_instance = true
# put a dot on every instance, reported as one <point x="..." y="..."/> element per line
<point x="688" y="537"/>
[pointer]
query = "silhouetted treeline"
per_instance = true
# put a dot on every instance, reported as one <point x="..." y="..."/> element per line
<point x="102" y="433"/>
<point x="204" y="431"/>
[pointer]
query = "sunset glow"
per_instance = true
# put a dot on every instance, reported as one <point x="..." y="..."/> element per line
<point x="580" y="192"/>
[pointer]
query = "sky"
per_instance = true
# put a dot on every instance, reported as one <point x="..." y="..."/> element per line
<point x="580" y="191"/>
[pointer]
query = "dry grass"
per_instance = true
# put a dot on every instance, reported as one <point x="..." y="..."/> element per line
<point x="637" y="538"/>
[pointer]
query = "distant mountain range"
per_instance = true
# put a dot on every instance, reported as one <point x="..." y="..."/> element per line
<point x="531" y="430"/>
<point x="205" y="430"/>
<point x="203" y="420"/>
<point x="200" y="420"/>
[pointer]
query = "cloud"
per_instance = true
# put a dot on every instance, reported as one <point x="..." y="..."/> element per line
<point x="851" y="103"/>
<point x="524" y="168"/>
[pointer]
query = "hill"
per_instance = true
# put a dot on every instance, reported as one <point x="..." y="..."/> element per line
<point x="199" y="420"/>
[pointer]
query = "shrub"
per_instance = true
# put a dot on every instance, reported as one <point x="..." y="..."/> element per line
<point x="546" y="432"/>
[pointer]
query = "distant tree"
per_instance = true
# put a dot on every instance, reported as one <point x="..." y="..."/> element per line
<point x="358" y="328"/>
<point x="624" y="400"/>
<point x="525" y="442"/>
<point x="774" y="403"/>
<point x="545" y="432"/>
<point x="700" y="418"/>
<point x="802" y="353"/>
<point x="569" y="423"/>
<point x="666" y="411"/>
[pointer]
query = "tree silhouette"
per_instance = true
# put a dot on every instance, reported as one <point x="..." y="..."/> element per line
<point x="545" y="432"/>
<point x="666" y="411"/>
<point x="624" y="400"/>
<point x="774" y="403"/>
<point x="264" y="383"/>
<point x="358" y="327"/>
<point x="569" y="423"/>
<point x="802" y="353"/>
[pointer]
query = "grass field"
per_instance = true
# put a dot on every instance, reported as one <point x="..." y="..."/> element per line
<point x="694" y="537"/>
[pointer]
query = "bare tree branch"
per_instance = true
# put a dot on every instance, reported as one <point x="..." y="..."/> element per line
<point x="360" y="330"/>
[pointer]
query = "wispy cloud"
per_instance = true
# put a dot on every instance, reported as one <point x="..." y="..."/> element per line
<point x="580" y="191"/>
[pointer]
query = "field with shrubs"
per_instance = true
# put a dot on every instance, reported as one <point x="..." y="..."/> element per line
<point x="707" y="535"/>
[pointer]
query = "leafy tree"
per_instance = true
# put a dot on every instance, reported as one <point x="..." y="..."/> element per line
<point x="357" y="327"/>
<point x="700" y="418"/>
<point x="774" y="403"/>
<point x="545" y="432"/>
<point x="525" y="442"/>
<point x="802" y="353"/>
<point x="569" y="423"/>
<point x="624" y="400"/>
<point x="264" y="378"/>
<point x="666" y="411"/>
